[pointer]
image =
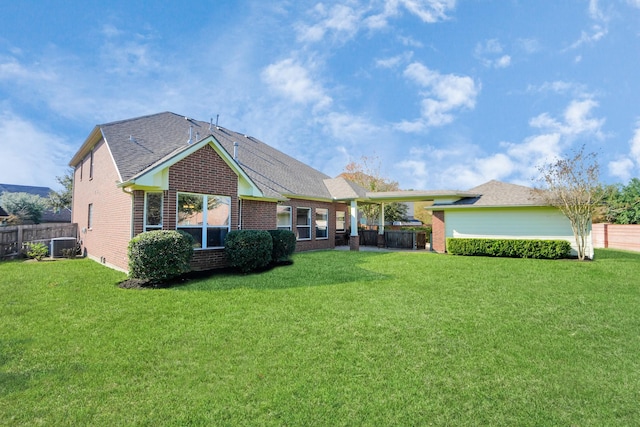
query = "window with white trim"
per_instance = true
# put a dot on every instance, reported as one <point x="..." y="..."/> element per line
<point x="153" y="211"/>
<point x="91" y="165"/>
<point x="322" y="223"/>
<point x="205" y="217"/>
<point x="283" y="218"/>
<point x="303" y="223"/>
<point x="340" y="220"/>
<point x="90" y="216"/>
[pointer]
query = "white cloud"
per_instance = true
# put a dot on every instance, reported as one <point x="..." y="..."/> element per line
<point x="528" y="46"/>
<point x="31" y="155"/>
<point x="503" y="62"/>
<point x="443" y="94"/>
<point x="463" y="165"/>
<point x="349" y="127"/>
<point x="293" y="81"/>
<point x="343" y="21"/>
<point x="577" y="120"/>
<point x="490" y="54"/>
<point x="623" y="167"/>
<point x="340" y="20"/>
<point x="561" y="87"/>
<point x="11" y="69"/>
<point x="598" y="30"/>
<point x="394" y="61"/>
<point x="411" y="42"/>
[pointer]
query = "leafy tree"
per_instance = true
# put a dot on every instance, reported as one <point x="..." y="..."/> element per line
<point x="572" y="185"/>
<point x="623" y="204"/>
<point x="366" y="173"/>
<point x="25" y="206"/>
<point x="59" y="200"/>
<point x="420" y="212"/>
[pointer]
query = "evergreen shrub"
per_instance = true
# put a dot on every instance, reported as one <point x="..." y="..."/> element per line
<point x="248" y="250"/>
<point x="512" y="248"/>
<point x="160" y="255"/>
<point x="284" y="245"/>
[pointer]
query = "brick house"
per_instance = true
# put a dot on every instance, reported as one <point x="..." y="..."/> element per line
<point x="166" y="171"/>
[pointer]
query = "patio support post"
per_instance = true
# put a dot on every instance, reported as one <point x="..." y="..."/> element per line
<point x="381" y="242"/>
<point x="354" y="239"/>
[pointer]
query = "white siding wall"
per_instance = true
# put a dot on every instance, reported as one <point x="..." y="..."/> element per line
<point x="512" y="223"/>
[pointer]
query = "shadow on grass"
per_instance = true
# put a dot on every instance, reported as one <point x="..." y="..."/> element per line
<point x="11" y="382"/>
<point x="321" y="269"/>
<point x="616" y="254"/>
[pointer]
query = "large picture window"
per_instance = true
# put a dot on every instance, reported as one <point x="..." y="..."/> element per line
<point x="340" y="220"/>
<point x="303" y="223"/>
<point x="322" y="223"/>
<point x="153" y="211"/>
<point x="205" y="217"/>
<point x="284" y="218"/>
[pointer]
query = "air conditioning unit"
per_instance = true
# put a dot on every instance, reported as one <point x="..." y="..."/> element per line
<point x="59" y="243"/>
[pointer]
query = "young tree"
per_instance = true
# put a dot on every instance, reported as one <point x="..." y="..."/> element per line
<point x="572" y="185"/>
<point x="366" y="173"/>
<point x="59" y="200"/>
<point x="25" y="206"/>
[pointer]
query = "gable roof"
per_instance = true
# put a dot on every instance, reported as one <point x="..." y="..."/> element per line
<point x="498" y="194"/>
<point x="141" y="143"/>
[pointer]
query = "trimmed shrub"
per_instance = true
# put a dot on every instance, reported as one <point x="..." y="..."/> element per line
<point x="248" y="250"/>
<point x="284" y="245"/>
<point x="512" y="248"/>
<point x="160" y="255"/>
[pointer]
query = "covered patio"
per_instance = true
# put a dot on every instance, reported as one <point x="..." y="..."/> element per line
<point x="381" y="238"/>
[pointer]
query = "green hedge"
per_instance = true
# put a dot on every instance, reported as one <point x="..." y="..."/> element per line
<point x="248" y="250"/>
<point x="514" y="248"/>
<point x="284" y="245"/>
<point x="160" y="255"/>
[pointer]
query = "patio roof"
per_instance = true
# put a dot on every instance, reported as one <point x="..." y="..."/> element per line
<point x="442" y="196"/>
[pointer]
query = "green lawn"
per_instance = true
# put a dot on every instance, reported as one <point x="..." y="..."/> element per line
<point x="337" y="338"/>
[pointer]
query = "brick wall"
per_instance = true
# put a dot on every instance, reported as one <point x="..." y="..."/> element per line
<point x="258" y="215"/>
<point x="203" y="172"/>
<point x="616" y="236"/>
<point x="438" y="243"/>
<point x="106" y="241"/>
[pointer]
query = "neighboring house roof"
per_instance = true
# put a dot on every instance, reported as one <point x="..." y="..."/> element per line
<point x="3" y="213"/>
<point x="498" y="194"/>
<point x="141" y="143"/>
<point x="49" y="215"/>
<point x="30" y="189"/>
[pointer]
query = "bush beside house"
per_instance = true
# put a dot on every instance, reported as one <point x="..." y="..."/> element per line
<point x="512" y="248"/>
<point x="160" y="255"/>
<point x="248" y="250"/>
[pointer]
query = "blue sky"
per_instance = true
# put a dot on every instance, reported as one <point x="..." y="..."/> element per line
<point x="445" y="93"/>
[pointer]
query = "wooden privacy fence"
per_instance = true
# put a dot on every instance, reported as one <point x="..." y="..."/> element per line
<point x="14" y="238"/>
<point x="400" y="239"/>
<point x="616" y="236"/>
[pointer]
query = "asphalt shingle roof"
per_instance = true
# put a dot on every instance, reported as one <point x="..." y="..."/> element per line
<point x="138" y="143"/>
<point x="497" y="193"/>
